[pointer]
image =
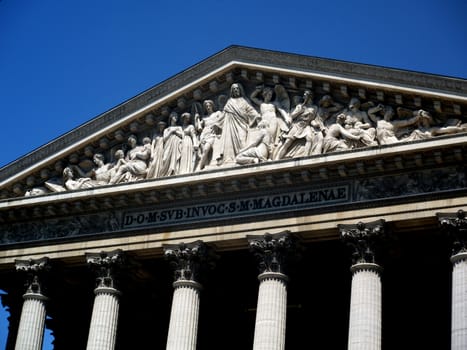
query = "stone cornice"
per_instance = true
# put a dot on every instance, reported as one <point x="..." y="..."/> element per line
<point x="351" y="70"/>
<point x="214" y="68"/>
<point x="266" y="176"/>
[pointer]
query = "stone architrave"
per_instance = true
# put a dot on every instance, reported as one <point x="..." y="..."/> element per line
<point x="32" y="322"/>
<point x="365" y="300"/>
<point x="272" y="251"/>
<point x="187" y="261"/>
<point x="456" y="225"/>
<point x="103" y="327"/>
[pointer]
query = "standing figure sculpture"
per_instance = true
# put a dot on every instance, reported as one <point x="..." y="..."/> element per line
<point x="189" y="146"/>
<point x="272" y="111"/>
<point x="209" y="128"/>
<point x="305" y="127"/>
<point x="173" y="135"/>
<point x="157" y="151"/>
<point x="134" y="166"/>
<point x="239" y="115"/>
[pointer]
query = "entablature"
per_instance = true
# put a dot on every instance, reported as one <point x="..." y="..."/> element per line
<point x="443" y="98"/>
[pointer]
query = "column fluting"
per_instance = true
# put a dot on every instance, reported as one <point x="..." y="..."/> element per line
<point x="459" y="302"/>
<point x="365" y="320"/>
<point x="272" y="251"/>
<point x="32" y="321"/>
<point x="187" y="260"/>
<point x="104" y="319"/>
<point x="456" y="226"/>
<point x="183" y="326"/>
<point x="365" y="308"/>
<point x="271" y="314"/>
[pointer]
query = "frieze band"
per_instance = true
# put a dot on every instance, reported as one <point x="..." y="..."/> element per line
<point x="357" y="191"/>
<point x="241" y="207"/>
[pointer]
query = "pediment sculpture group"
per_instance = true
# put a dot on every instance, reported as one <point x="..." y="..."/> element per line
<point x="266" y="125"/>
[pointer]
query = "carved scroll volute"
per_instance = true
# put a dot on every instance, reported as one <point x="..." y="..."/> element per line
<point x="189" y="259"/>
<point x="363" y="239"/>
<point x="34" y="269"/>
<point x="106" y="266"/>
<point x="272" y="250"/>
<point x="455" y="224"/>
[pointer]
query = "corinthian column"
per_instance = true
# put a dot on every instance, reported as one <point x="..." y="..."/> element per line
<point x="365" y="298"/>
<point x="32" y="321"/>
<point x="104" y="319"/>
<point x="271" y="251"/>
<point x="456" y="225"/>
<point x="187" y="260"/>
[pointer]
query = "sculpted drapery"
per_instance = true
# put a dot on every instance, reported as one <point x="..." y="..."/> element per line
<point x="172" y="147"/>
<point x="228" y="132"/>
<point x="188" y="146"/>
<point x="239" y="114"/>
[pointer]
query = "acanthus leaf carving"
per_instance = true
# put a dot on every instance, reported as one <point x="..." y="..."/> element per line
<point x="456" y="226"/>
<point x="362" y="238"/>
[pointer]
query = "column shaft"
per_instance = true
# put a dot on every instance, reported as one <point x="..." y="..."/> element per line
<point x="365" y="308"/>
<point x="459" y="302"/>
<point x="183" y="326"/>
<point x="103" y="328"/>
<point x="32" y="322"/>
<point x="271" y="312"/>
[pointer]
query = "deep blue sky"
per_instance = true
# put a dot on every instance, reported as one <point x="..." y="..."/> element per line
<point x="64" y="62"/>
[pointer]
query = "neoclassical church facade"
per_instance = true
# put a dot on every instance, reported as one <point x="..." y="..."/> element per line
<point x="256" y="199"/>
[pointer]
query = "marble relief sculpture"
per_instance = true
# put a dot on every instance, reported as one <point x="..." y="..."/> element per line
<point x="239" y="116"/>
<point x="259" y="149"/>
<point x="189" y="146"/>
<point x="209" y="130"/>
<point x="386" y="127"/>
<point x="72" y="183"/>
<point x="173" y="136"/>
<point x="157" y="151"/>
<point x="359" y="124"/>
<point x="247" y="130"/>
<point x="338" y="138"/>
<point x="273" y="112"/>
<point x="134" y="166"/>
<point x="304" y="127"/>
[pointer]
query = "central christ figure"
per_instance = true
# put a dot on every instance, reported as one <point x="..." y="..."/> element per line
<point x="239" y="115"/>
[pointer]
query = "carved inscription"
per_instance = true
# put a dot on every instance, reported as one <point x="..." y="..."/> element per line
<point x="241" y="207"/>
<point x="394" y="187"/>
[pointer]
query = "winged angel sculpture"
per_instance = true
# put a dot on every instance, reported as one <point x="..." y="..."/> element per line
<point x="244" y="129"/>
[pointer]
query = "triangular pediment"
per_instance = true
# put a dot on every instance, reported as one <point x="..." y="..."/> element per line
<point x="288" y="76"/>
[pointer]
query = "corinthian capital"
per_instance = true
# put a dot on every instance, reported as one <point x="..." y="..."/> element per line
<point x="187" y="259"/>
<point x="456" y="226"/>
<point x="34" y="269"/>
<point x="105" y="265"/>
<point x="272" y="250"/>
<point x="362" y="238"/>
